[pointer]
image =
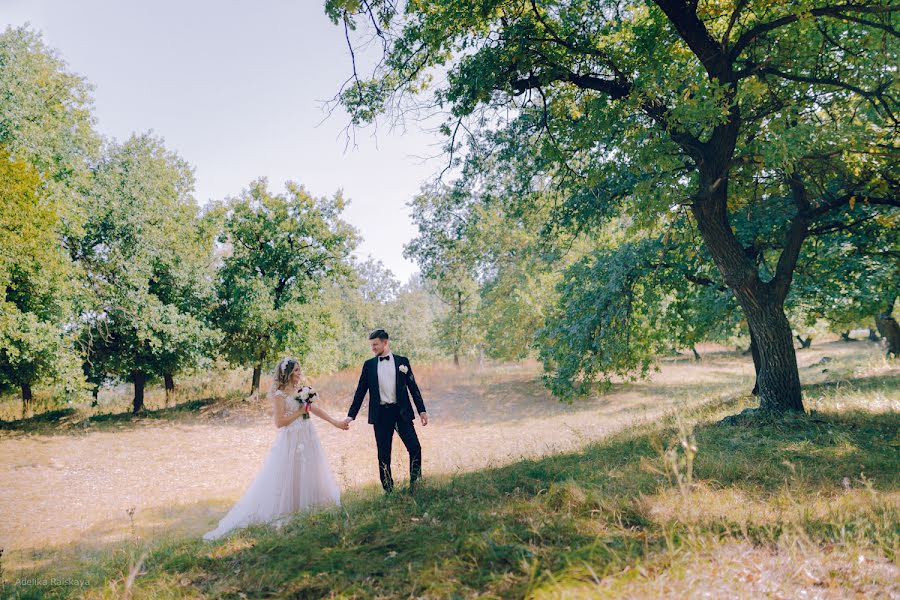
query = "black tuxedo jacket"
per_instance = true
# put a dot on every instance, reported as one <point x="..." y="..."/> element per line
<point x="406" y="385"/>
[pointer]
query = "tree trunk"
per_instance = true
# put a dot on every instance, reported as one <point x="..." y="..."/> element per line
<point x="697" y="356"/>
<point x="873" y="334"/>
<point x="254" y="385"/>
<point x="95" y="395"/>
<point x="27" y="397"/>
<point x="170" y="388"/>
<point x="778" y="378"/>
<point x="459" y="327"/>
<point x="889" y="329"/>
<point x="763" y="303"/>
<point x="139" y="383"/>
<point x="845" y="336"/>
<point x="754" y="352"/>
<point x="804" y="344"/>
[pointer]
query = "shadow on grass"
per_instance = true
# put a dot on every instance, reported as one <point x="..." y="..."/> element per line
<point x="859" y="383"/>
<point x="65" y="420"/>
<point x="502" y="531"/>
<point x="514" y="401"/>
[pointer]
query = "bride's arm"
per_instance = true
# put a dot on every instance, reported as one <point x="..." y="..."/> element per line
<point x="324" y="415"/>
<point x="280" y="419"/>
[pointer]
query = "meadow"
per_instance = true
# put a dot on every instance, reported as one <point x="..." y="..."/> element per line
<point x="607" y="187"/>
<point x="638" y="492"/>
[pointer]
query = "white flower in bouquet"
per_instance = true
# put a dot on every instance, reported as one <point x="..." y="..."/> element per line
<point x="306" y="396"/>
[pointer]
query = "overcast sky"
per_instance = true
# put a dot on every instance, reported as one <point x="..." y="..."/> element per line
<point x="237" y="89"/>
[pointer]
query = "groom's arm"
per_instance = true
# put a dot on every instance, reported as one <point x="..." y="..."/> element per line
<point x="414" y="389"/>
<point x="359" y="395"/>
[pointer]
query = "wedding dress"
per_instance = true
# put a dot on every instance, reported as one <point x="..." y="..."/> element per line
<point x="295" y="475"/>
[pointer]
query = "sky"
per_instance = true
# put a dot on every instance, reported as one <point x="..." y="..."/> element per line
<point x="237" y="88"/>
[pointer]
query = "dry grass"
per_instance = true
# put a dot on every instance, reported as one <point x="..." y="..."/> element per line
<point x="182" y="469"/>
<point x="793" y="568"/>
<point x="498" y="415"/>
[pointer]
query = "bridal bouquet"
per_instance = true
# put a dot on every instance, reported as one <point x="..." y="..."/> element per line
<point x="306" y="396"/>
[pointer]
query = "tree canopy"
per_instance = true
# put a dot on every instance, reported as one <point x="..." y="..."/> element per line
<point x="780" y="115"/>
<point x="281" y="250"/>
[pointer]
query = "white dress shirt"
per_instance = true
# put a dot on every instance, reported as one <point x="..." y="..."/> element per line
<point x="387" y="380"/>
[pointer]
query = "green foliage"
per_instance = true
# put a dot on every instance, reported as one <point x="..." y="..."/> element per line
<point x="35" y="278"/>
<point x="413" y="318"/>
<point x="280" y="251"/>
<point x="145" y="251"/>
<point x="848" y="275"/>
<point x="46" y="118"/>
<point x="763" y="122"/>
<point x="604" y="324"/>
<point x="33" y="350"/>
<point x="445" y="257"/>
<point x="336" y="325"/>
<point x="46" y="139"/>
<point x="621" y="306"/>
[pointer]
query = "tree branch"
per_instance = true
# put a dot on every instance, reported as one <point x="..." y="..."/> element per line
<point x="614" y="89"/>
<point x="835" y="227"/>
<point x="834" y="11"/>
<point x="693" y="31"/>
<point x="797" y="232"/>
<point x="873" y="96"/>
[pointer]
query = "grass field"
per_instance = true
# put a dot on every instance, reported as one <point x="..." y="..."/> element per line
<point x="638" y="493"/>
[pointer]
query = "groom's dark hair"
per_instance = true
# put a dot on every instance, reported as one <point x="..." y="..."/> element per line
<point x="378" y="333"/>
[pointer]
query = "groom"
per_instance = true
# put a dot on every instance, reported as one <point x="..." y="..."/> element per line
<point x="388" y="378"/>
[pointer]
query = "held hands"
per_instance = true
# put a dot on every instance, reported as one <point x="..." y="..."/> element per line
<point x="345" y="422"/>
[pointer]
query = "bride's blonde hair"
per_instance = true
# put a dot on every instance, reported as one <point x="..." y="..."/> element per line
<point x="284" y="370"/>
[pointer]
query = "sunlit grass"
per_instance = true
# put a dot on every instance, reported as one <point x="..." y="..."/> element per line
<point x="806" y="505"/>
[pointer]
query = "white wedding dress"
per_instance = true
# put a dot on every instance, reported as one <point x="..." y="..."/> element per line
<point x="295" y="475"/>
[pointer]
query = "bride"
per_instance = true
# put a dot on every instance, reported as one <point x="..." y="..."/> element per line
<point x="295" y="474"/>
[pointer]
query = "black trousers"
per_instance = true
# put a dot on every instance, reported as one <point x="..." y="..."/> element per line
<point x="388" y="422"/>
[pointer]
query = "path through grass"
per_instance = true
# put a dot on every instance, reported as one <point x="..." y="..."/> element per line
<point x="808" y="506"/>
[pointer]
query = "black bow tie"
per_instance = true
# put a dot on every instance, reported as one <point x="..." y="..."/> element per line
<point x="380" y="358"/>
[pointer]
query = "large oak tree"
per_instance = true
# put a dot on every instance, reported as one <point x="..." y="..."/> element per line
<point x="696" y="101"/>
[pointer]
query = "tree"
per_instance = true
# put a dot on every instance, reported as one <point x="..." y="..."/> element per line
<point x="46" y="144"/>
<point x="412" y="318"/>
<point x="46" y="120"/>
<point x="642" y="106"/>
<point x="888" y="327"/>
<point x="334" y="326"/>
<point x="184" y="282"/>
<point x="331" y="326"/>
<point x="625" y="303"/>
<point x="848" y="275"/>
<point x="281" y="250"/>
<point x="445" y="258"/>
<point x="503" y="252"/>
<point x="144" y="250"/>
<point x="34" y="277"/>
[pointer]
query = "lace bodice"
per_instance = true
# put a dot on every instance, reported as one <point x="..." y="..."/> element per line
<point x="291" y="404"/>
